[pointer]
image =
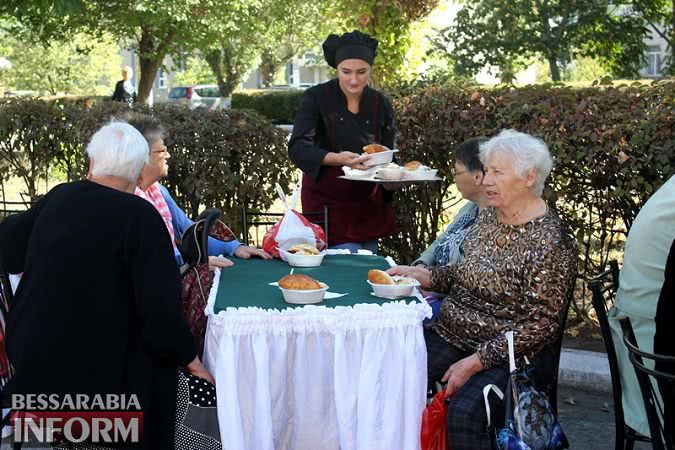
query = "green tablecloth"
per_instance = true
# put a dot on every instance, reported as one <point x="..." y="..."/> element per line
<point x="247" y="282"/>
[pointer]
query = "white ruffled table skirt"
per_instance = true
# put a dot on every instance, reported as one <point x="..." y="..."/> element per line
<point x="317" y="378"/>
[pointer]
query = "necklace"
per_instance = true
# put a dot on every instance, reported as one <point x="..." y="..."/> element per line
<point x="524" y="214"/>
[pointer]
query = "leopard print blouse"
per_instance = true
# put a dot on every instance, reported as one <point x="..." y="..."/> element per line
<point x="513" y="277"/>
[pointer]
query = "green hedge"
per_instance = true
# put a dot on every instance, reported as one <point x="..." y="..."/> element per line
<point x="226" y="159"/>
<point x="278" y="106"/>
<point x="613" y="147"/>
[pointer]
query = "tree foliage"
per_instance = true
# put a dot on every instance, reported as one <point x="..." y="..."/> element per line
<point x="390" y="23"/>
<point x="659" y="15"/>
<point x="232" y="44"/>
<point x="153" y="28"/>
<point x="196" y="71"/>
<point x="79" y="65"/>
<point x="508" y="34"/>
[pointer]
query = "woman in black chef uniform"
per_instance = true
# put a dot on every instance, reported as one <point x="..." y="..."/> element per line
<point x="336" y="119"/>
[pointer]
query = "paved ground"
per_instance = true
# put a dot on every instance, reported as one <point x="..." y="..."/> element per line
<point x="589" y="422"/>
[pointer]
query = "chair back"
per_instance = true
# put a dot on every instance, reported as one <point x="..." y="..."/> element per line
<point x="9" y="207"/>
<point x="556" y="349"/>
<point x="603" y="289"/>
<point x="194" y="243"/>
<point x="256" y="224"/>
<point x="649" y="380"/>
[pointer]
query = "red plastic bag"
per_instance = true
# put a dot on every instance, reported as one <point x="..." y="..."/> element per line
<point x="434" y="429"/>
<point x="293" y="228"/>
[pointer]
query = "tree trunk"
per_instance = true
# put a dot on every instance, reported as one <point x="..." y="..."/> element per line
<point x="213" y="59"/>
<point x="555" y="69"/>
<point x="148" y="69"/>
<point x="150" y="57"/>
<point x="672" y="42"/>
<point x="268" y="68"/>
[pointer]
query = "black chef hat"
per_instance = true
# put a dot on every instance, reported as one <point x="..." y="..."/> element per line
<point x="354" y="45"/>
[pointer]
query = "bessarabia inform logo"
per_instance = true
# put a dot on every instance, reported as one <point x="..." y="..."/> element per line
<point x="77" y="418"/>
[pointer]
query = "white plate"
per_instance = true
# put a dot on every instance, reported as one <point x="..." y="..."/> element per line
<point x="377" y="180"/>
<point x="420" y="175"/>
<point x="302" y="260"/>
<point x="394" y="290"/>
<point x="376" y="159"/>
<point x="305" y="297"/>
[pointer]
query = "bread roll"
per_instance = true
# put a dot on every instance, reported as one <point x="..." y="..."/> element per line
<point x="412" y="165"/>
<point x="299" y="282"/>
<point x="374" y="148"/>
<point x="376" y="276"/>
<point x="303" y="249"/>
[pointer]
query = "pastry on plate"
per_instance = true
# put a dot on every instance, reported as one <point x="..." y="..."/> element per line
<point x="299" y="282"/>
<point x="414" y="165"/>
<point x="377" y="276"/>
<point x="374" y="148"/>
<point x="303" y="249"/>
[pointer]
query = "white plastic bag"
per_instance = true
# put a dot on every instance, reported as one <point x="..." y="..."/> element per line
<point x="293" y="228"/>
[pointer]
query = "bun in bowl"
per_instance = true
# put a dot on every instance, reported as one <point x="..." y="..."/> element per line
<point x="412" y="165"/>
<point x="374" y="148"/>
<point x="299" y="282"/>
<point x="377" y="276"/>
<point x="303" y="249"/>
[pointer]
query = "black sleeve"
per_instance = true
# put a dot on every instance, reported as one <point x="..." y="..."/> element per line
<point x="301" y="149"/>
<point x="117" y="94"/>
<point x="15" y="233"/>
<point x="664" y="337"/>
<point x="389" y="129"/>
<point x="388" y="138"/>
<point x="157" y="288"/>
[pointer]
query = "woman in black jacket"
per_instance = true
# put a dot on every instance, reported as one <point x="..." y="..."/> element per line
<point x="335" y="121"/>
<point x="97" y="310"/>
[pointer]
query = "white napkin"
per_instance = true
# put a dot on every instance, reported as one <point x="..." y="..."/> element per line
<point x="338" y="251"/>
<point x="327" y="295"/>
<point x="345" y="251"/>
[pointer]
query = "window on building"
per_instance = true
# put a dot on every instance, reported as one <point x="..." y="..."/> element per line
<point x="161" y="78"/>
<point x="289" y="73"/>
<point x="182" y="62"/>
<point x="654" y="61"/>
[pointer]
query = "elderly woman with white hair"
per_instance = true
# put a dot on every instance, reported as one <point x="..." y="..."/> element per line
<point x="97" y="311"/>
<point x="125" y="92"/>
<point x="519" y="267"/>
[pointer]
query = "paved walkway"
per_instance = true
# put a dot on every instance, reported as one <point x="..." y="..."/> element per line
<point x="589" y="422"/>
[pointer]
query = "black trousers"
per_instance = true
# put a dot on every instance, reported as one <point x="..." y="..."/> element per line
<point x="466" y="420"/>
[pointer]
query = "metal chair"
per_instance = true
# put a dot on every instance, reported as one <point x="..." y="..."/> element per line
<point x="661" y="436"/>
<point x="258" y="219"/>
<point x="556" y="349"/>
<point x="603" y="288"/>
<point x="6" y="369"/>
<point x="8" y="208"/>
